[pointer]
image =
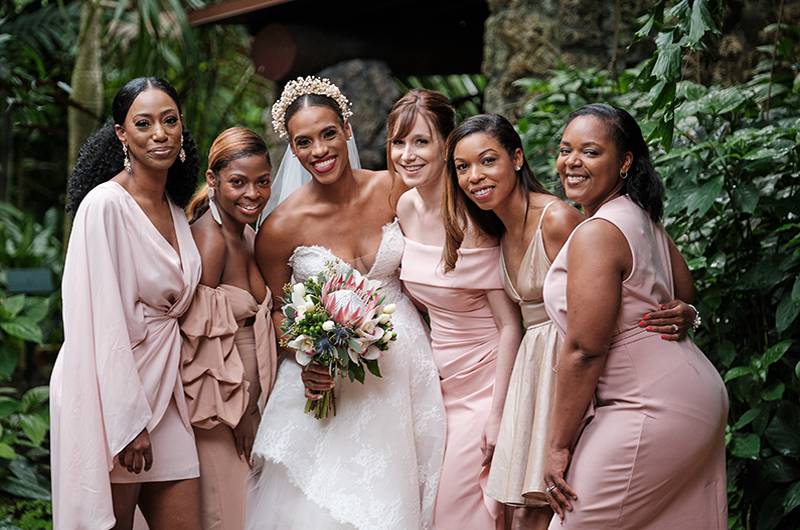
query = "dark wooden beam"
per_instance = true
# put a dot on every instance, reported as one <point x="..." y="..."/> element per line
<point x="232" y="8"/>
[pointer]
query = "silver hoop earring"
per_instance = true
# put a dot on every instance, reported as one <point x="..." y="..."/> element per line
<point x="517" y="168"/>
<point x="126" y="161"/>
<point x="212" y="205"/>
<point x="623" y="174"/>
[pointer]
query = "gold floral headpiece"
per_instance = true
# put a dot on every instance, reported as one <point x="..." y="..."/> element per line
<point x="301" y="87"/>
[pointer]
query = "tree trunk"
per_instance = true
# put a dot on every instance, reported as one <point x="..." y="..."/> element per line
<point x="87" y="86"/>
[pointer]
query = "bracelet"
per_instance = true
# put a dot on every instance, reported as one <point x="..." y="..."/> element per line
<point x="697" y="322"/>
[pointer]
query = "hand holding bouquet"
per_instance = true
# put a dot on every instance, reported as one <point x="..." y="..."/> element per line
<point x="337" y="319"/>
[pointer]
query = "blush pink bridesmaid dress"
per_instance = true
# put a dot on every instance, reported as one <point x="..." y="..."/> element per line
<point x="653" y="455"/>
<point x="464" y="339"/>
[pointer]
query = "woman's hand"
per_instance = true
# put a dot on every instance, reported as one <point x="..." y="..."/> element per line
<point x="489" y="439"/>
<point x="316" y="380"/>
<point x="558" y="492"/>
<point x="245" y="432"/>
<point x="672" y="320"/>
<point x="138" y="454"/>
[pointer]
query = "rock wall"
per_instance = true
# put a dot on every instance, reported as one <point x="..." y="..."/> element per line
<point x="526" y="38"/>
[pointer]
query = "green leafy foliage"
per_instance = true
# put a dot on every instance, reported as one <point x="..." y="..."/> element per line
<point x="27" y="320"/>
<point x="730" y="161"/>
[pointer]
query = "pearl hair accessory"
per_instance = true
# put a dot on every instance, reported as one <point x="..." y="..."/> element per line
<point x="301" y="87"/>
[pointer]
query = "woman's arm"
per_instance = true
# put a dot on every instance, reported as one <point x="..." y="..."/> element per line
<point x="559" y="221"/>
<point x="599" y="259"/>
<point x="274" y="247"/>
<point x="507" y="318"/>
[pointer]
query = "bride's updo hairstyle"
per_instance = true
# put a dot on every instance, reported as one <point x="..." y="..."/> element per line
<point x="305" y="92"/>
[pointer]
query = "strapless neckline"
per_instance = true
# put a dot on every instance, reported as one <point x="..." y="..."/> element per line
<point x="377" y="252"/>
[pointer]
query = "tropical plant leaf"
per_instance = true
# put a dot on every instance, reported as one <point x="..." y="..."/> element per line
<point x="12" y="306"/>
<point x="7" y="452"/>
<point x="782" y="432"/>
<point x="700" y="22"/>
<point x="786" y="313"/>
<point x="746" y="446"/>
<point x="35" y="427"/>
<point x="8" y="406"/>
<point x="23" y="328"/>
<point x="792" y="498"/>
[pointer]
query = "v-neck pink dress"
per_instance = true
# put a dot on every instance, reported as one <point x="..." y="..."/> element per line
<point x="653" y="455"/>
<point x="464" y="340"/>
<point x="124" y="287"/>
<point x="517" y="473"/>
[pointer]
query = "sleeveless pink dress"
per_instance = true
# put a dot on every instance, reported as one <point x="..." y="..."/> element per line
<point x="464" y="340"/>
<point x="517" y="472"/>
<point x="653" y="455"/>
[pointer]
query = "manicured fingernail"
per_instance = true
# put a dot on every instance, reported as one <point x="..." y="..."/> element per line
<point x="647" y="315"/>
<point x="642" y="323"/>
<point x="649" y="328"/>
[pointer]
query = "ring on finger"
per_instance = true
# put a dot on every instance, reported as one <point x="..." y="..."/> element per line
<point x="550" y="488"/>
<point x="675" y="328"/>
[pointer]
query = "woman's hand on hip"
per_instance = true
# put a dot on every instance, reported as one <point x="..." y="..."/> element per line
<point x="672" y="320"/>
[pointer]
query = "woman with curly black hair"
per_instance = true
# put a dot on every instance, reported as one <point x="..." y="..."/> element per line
<point x="120" y="429"/>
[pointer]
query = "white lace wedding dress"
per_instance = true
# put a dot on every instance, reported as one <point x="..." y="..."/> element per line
<point x="376" y="464"/>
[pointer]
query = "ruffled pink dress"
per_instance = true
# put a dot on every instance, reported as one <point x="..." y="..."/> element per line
<point x="124" y="288"/>
<point x="464" y="339"/>
<point x="228" y="352"/>
<point x="653" y="455"/>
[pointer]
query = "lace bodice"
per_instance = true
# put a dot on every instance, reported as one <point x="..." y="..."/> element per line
<point x="308" y="260"/>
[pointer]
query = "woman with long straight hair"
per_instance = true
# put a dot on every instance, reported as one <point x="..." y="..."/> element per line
<point x="475" y="329"/>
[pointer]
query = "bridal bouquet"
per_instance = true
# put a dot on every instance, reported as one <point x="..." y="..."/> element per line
<point x="337" y="319"/>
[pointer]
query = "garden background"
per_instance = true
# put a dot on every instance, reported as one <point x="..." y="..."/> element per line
<point x="726" y="148"/>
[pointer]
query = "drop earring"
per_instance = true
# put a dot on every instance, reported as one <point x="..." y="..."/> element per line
<point x="182" y="153"/>
<point x="212" y="205"/>
<point x="126" y="161"/>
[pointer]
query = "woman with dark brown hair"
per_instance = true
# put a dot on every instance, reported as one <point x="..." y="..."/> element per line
<point x="228" y="353"/>
<point x="475" y="329"/>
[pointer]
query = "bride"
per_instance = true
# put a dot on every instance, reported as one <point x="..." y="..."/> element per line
<point x="375" y="465"/>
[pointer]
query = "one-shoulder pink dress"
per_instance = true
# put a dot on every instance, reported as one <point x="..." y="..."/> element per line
<point x="464" y="339"/>
<point x="653" y="455"/>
